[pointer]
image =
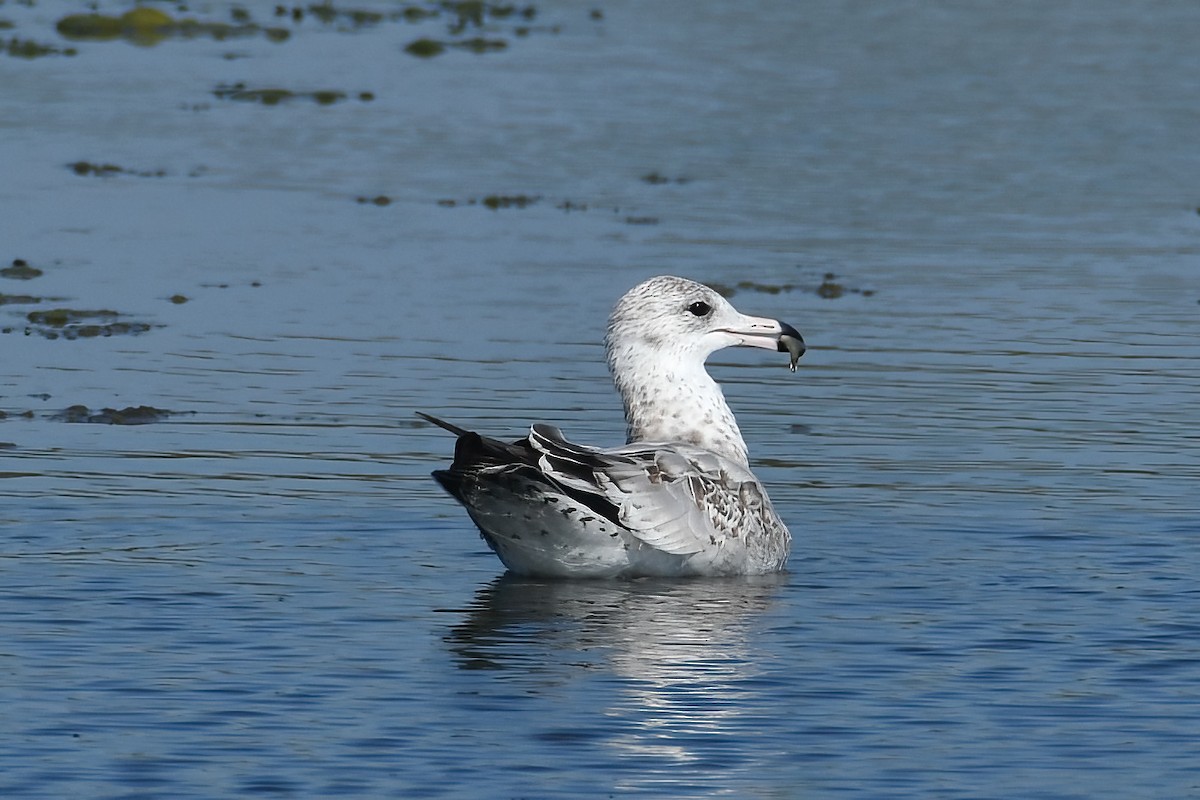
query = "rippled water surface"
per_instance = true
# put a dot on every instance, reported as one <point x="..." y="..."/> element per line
<point x="989" y="457"/>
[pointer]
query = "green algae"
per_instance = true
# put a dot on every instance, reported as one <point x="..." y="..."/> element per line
<point x="60" y="317"/>
<point x="274" y="96"/>
<point x="425" y="48"/>
<point x="20" y="271"/>
<point x="143" y="26"/>
<point x="655" y="179"/>
<point x="829" y="288"/>
<point x="328" y="14"/>
<point x="149" y="26"/>
<point x="498" y="201"/>
<point x="130" y="415"/>
<point x="84" y="168"/>
<point x="327" y="97"/>
<point x="479" y="44"/>
<point x="88" y="168"/>
<point x="70" y="323"/>
<point x="18" y="299"/>
<point x="477" y="17"/>
<point x="475" y="13"/>
<point x="29" y="49"/>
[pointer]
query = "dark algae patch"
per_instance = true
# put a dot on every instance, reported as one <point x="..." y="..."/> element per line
<point x="85" y="168"/>
<point x="425" y="48"/>
<point x="69" y="323"/>
<point x="60" y="317"/>
<point x="329" y="14"/>
<point x="131" y="415"/>
<point x="18" y="299"/>
<point x="479" y="44"/>
<point x="497" y="201"/>
<point x="829" y="288"/>
<point x="149" y="26"/>
<point x="493" y="201"/>
<point x="27" y="48"/>
<point x="478" y="18"/>
<point x="655" y="179"/>
<point x="20" y="270"/>
<point x="274" y="96"/>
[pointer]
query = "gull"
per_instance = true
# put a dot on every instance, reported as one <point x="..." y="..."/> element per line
<point x="678" y="499"/>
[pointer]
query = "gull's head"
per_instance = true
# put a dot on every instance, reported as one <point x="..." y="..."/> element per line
<point x="684" y="321"/>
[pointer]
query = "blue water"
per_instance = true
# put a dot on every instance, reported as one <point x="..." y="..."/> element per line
<point x="988" y="458"/>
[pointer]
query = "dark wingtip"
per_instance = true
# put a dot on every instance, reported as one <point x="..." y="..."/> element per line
<point x="449" y="480"/>
<point x="441" y="423"/>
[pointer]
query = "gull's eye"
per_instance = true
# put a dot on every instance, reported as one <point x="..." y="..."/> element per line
<point x="700" y="308"/>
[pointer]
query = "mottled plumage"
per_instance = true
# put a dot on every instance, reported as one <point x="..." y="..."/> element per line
<point x="677" y="499"/>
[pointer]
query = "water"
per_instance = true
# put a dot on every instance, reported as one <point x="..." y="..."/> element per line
<point x="989" y="462"/>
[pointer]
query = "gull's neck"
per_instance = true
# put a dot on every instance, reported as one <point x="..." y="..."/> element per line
<point x="675" y="400"/>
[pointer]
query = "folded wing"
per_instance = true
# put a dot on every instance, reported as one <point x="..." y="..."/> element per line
<point x="674" y="498"/>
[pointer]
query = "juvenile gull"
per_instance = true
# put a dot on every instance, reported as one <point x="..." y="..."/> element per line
<point x="677" y="499"/>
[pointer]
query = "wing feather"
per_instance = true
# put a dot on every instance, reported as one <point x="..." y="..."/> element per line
<point x="675" y="498"/>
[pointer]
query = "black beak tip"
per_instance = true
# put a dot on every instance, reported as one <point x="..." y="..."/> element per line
<point x="791" y="342"/>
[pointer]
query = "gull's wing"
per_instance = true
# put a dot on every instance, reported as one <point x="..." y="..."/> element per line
<point x="675" y="498"/>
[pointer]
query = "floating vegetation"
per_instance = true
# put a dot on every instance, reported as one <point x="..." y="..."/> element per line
<point x="480" y="45"/>
<point x="69" y="323"/>
<point x="130" y="415"/>
<point x="461" y="17"/>
<point x="462" y="14"/>
<point x="427" y="48"/>
<point x="477" y="16"/>
<point x="108" y="170"/>
<point x="273" y="97"/>
<point x="494" y="201"/>
<point x="641" y="220"/>
<point x="149" y="26"/>
<point x="475" y="13"/>
<point x="829" y="288"/>
<point x="655" y="179"/>
<point x="18" y="299"/>
<point x="20" y="270"/>
<point x="329" y="14"/>
<point x="27" y="48"/>
<point x="378" y="200"/>
<point x="178" y="299"/>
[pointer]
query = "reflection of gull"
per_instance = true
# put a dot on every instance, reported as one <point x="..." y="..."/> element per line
<point x="678" y="499"/>
<point x="672" y="663"/>
<point x="647" y="623"/>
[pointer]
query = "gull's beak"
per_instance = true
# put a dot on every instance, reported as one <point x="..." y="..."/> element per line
<point x="770" y="334"/>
